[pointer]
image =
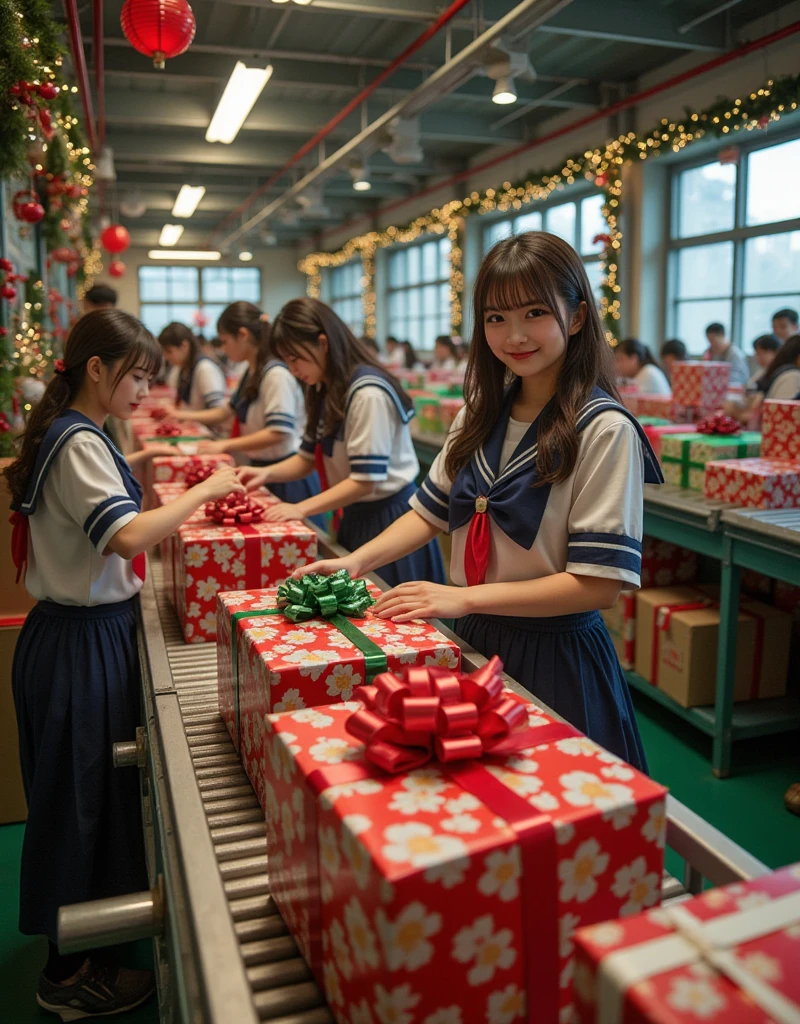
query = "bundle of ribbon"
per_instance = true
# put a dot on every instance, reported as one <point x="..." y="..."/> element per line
<point x="169" y="428"/>
<point x="234" y="510"/>
<point x="718" y="423"/>
<point x="159" y="413"/>
<point x="314" y="595"/>
<point x="195" y="472"/>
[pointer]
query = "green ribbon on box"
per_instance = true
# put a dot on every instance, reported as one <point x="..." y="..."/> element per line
<point x="337" y="598"/>
<point x="176" y="440"/>
<point x="742" y="443"/>
<point x="653" y="421"/>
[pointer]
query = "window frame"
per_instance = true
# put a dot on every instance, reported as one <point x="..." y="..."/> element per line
<point x="438" y="283"/>
<point x="348" y="296"/>
<point x="200" y="303"/>
<point x="739" y="234"/>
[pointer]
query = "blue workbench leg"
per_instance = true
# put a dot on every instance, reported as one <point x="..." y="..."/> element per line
<point x="726" y="661"/>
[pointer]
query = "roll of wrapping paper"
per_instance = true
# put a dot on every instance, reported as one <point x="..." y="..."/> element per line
<point x="742" y="445"/>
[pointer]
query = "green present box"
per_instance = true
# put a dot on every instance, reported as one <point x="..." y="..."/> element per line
<point x="653" y="421"/>
<point x="684" y="456"/>
<point x="428" y="412"/>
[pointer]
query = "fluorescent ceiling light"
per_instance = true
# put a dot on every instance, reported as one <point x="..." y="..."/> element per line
<point x="504" y="91"/>
<point x="170" y="234"/>
<point x="245" y="257"/>
<point x="188" y="199"/>
<point x="184" y="254"/>
<point x="362" y="185"/>
<point x="243" y="89"/>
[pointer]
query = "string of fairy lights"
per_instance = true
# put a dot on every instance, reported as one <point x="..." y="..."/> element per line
<point x="601" y="166"/>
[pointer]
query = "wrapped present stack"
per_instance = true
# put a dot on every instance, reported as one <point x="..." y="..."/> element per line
<point x="771" y="481"/>
<point x="684" y="456"/>
<point x="657" y="430"/>
<point x="182" y="469"/>
<point x="168" y="431"/>
<point x="677" y="633"/>
<point x="728" y="956"/>
<point x="698" y="389"/>
<point x="308" y="643"/>
<point x="418" y="877"/>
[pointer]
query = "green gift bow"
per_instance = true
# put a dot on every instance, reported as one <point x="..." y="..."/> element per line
<point x="336" y="598"/>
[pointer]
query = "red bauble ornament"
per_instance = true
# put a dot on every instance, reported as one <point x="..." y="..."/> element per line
<point x="8" y="293"/>
<point x="62" y="255"/>
<point x="601" y="180"/>
<point x="115" y="238"/>
<point x="48" y="91"/>
<point x="158" y="28"/>
<point x="74" y="191"/>
<point x="27" y="207"/>
<point x="3" y="332"/>
<point x="116" y="268"/>
<point x="72" y="269"/>
<point x="6" y="266"/>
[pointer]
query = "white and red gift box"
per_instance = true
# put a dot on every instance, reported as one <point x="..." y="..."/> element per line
<point x="664" y="564"/>
<point x="780" y="429"/>
<point x="754" y="483"/>
<point x="700" y="385"/>
<point x="266" y="664"/>
<point x="209" y="559"/>
<point x="654" y="405"/>
<point x="451" y="891"/>
<point x="729" y="956"/>
<point x="656" y="433"/>
<point x="172" y="469"/>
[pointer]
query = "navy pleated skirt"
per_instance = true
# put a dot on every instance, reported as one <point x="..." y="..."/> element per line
<point x="295" y="491"/>
<point x="569" y="663"/>
<point x="363" y="522"/>
<point x="75" y="679"/>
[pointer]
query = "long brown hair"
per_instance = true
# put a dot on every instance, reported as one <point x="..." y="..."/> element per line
<point x="118" y="339"/>
<point x="542" y="268"/>
<point x="173" y="336"/>
<point x="231" y="321"/>
<point x="298" y="327"/>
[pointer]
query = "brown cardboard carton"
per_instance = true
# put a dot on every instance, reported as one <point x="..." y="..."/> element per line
<point x="12" y="796"/>
<point x="686" y="650"/>
<point x="14" y="598"/>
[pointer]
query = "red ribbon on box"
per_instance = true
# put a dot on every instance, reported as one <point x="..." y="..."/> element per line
<point x="457" y="719"/>
<point x="718" y="423"/>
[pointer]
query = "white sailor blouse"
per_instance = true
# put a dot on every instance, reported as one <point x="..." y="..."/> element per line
<point x="504" y="529"/>
<point x="204" y="387"/>
<point x="373" y="443"/>
<point x="81" y="493"/>
<point x="279" y="405"/>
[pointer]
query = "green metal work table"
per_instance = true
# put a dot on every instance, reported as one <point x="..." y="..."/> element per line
<point x="765" y="541"/>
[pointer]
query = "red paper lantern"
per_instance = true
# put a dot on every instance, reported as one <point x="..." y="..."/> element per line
<point x="115" y="239"/>
<point x="158" y="28"/>
<point x="116" y="268"/>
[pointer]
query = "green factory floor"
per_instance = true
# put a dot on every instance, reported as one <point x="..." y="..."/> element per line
<point x="747" y="807"/>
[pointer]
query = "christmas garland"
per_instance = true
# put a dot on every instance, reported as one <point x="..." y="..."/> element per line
<point x="601" y="165"/>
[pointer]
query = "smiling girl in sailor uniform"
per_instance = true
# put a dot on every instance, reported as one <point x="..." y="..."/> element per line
<point x="79" y="527"/>
<point x="540" y="486"/>
<point x="357" y="435"/>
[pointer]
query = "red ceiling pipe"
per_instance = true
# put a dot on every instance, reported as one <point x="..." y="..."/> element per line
<point x="99" y="71"/>
<point x="355" y="102"/>
<point x="615" y="108"/>
<point x="79" y="62"/>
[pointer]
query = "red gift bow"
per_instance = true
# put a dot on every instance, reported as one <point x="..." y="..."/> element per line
<point x="235" y="509"/>
<point x="168" y="430"/>
<point x="718" y="423"/>
<point x="197" y="472"/>
<point x="159" y="413"/>
<point x="435" y="713"/>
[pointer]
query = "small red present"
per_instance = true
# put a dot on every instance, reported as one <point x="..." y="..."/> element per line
<point x="210" y="559"/>
<point x="267" y="663"/>
<point x="450" y="890"/>
<point x="780" y="428"/>
<point x="700" y="385"/>
<point x="664" y="564"/>
<point x="754" y="483"/>
<point x="150" y="431"/>
<point x="729" y="956"/>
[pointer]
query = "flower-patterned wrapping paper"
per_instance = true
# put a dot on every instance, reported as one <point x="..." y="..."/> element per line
<point x="781" y="429"/>
<point x="700" y="384"/>
<point x="147" y="430"/>
<point x="651" y="969"/>
<point x="754" y="483"/>
<point x="654" y="405"/>
<point x="172" y="469"/>
<point x="664" y="564"/>
<point x="285" y="666"/>
<point x="684" y="456"/>
<point x="409" y="889"/>
<point x="210" y="559"/>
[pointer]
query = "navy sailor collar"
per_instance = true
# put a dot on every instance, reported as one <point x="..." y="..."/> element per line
<point x="237" y="403"/>
<point x="366" y="376"/>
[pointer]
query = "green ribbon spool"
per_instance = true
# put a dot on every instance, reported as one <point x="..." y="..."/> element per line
<point x="336" y="598"/>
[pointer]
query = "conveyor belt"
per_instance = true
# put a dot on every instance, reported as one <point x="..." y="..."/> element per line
<point x="199" y="953"/>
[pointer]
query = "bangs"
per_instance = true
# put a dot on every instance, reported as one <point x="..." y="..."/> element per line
<point x="286" y="344"/>
<point x="144" y="354"/>
<point x="517" y="282"/>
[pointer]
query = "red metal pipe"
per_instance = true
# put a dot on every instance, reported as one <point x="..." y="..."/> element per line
<point x="355" y="102"/>
<point x="79" y="60"/>
<point x="615" y="108"/>
<point x="99" y="71"/>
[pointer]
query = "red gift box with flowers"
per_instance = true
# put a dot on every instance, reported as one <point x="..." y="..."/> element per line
<point x="168" y="431"/>
<point x="654" y="405"/>
<point x="433" y="853"/>
<point x="209" y="559"/>
<point x="173" y="469"/>
<point x="656" y="432"/>
<point x="729" y="956"/>
<point x="664" y="564"/>
<point x="754" y="483"/>
<point x="266" y="663"/>
<point x="780" y="430"/>
<point x="700" y="385"/>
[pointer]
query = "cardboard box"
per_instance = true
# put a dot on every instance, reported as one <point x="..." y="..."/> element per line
<point x="700" y="384"/>
<point x="409" y="894"/>
<point x="13" y="806"/>
<point x="684" y="456"/>
<point x="728" y="956"/>
<point x="754" y="483"/>
<point x="677" y="635"/>
<point x="781" y="429"/>
<point x="621" y="625"/>
<point x="15" y="600"/>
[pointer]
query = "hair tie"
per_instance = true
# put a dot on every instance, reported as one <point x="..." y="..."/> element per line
<point x="264" y="318"/>
<point x="59" y="367"/>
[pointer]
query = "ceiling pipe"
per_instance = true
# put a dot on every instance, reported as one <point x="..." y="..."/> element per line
<point x="443" y="80"/>
<point x="99" y="71"/>
<point x="598" y="115"/>
<point x="79" y="62"/>
<point x="355" y="102"/>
